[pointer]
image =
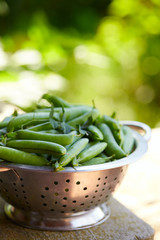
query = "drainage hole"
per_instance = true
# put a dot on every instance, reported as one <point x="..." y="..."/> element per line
<point x="104" y="183"/>
<point x="106" y="177"/>
<point x="99" y="178"/>
<point x="62" y="211"/>
<point x="65" y="198"/>
<point x="15" y="190"/>
<point x="73" y="210"/>
<point x="24" y="191"/>
<point x="22" y="185"/>
<point x="42" y="196"/>
<point x="45" y="204"/>
<point x="1" y="180"/>
<point x="67" y="180"/>
<point x="85" y="188"/>
<point x="96" y="191"/>
<point x="66" y="190"/>
<point x="86" y="196"/>
<point x="17" y="195"/>
<point x="64" y="206"/>
<point x="103" y="189"/>
<point x="56" y="183"/>
<point x="82" y="204"/>
<point x="46" y="188"/>
<point x="74" y="201"/>
<point x="14" y="184"/>
<point x="56" y="202"/>
<point x="56" y="193"/>
<point x="51" y="209"/>
<point x="78" y="182"/>
<point x="97" y="185"/>
<point x="25" y="197"/>
<point x="93" y="196"/>
<point x="21" y="179"/>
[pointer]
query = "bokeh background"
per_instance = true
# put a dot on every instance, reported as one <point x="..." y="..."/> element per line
<point x="82" y="50"/>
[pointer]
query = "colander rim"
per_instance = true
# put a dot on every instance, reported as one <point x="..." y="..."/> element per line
<point x="141" y="147"/>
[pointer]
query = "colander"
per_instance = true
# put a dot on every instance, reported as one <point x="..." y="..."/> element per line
<point x="39" y="198"/>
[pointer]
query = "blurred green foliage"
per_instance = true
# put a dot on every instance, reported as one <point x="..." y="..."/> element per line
<point x="108" y="51"/>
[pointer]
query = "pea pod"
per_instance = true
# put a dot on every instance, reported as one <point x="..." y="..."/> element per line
<point x="37" y="146"/>
<point x="17" y="156"/>
<point x="72" y="152"/>
<point x="115" y="127"/>
<point x="96" y="160"/>
<point x="95" y="133"/>
<point x="128" y="142"/>
<point x="18" y="122"/>
<point x="91" y="152"/>
<point x="112" y="148"/>
<point x="63" y="139"/>
<point x="56" y="101"/>
<point x="5" y="121"/>
<point x="41" y="127"/>
<point x="84" y="117"/>
<point x="27" y="118"/>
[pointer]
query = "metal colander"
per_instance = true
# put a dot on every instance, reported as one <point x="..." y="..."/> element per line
<point x="72" y="199"/>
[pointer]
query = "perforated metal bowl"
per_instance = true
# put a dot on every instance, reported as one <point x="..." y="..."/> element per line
<point x="37" y="197"/>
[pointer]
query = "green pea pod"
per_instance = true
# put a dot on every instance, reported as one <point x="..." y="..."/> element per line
<point x="5" y="122"/>
<point x="17" y="156"/>
<point x="21" y="120"/>
<point x="63" y="139"/>
<point x="84" y="117"/>
<point x="112" y="148"/>
<point x="37" y="146"/>
<point x="95" y="133"/>
<point x="94" y="161"/>
<point x="56" y="101"/>
<point x="72" y="152"/>
<point x="91" y="152"/>
<point x="41" y="127"/>
<point x="128" y="142"/>
<point x="115" y="127"/>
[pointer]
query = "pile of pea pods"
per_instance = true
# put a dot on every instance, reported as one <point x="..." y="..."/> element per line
<point x="63" y="135"/>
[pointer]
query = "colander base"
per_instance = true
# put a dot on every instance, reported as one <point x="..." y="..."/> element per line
<point x="36" y="220"/>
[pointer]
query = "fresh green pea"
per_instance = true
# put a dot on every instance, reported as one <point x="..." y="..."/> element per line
<point x="84" y="117"/>
<point x="115" y="127"/>
<point x="112" y="148"/>
<point x="95" y="133"/>
<point x="63" y="139"/>
<point x="94" y="161"/>
<point x="91" y="152"/>
<point x="128" y="142"/>
<point x="37" y="146"/>
<point x="21" y="120"/>
<point x="41" y="127"/>
<point x="56" y="101"/>
<point x="74" y="162"/>
<point x="72" y="152"/>
<point x="17" y="156"/>
<point x="5" y="122"/>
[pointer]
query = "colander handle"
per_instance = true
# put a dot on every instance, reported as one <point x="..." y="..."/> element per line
<point x="140" y="127"/>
